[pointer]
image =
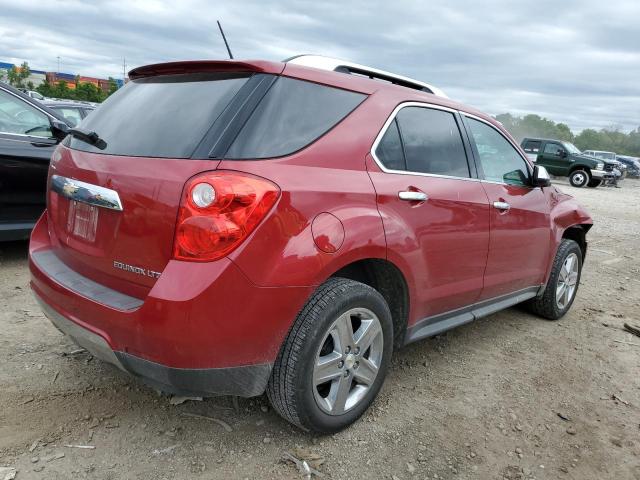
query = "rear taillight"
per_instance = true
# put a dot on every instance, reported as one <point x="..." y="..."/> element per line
<point x="217" y="213"/>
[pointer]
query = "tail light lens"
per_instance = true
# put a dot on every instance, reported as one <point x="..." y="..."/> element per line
<point x="217" y="213"/>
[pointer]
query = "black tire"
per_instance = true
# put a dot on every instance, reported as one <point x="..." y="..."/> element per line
<point x="291" y="390"/>
<point x="546" y="305"/>
<point x="594" y="182"/>
<point x="579" y="178"/>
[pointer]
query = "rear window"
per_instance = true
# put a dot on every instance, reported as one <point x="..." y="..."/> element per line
<point x="292" y="114"/>
<point x="164" y="116"/>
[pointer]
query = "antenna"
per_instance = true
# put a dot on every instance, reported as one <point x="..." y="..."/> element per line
<point x="225" y="40"/>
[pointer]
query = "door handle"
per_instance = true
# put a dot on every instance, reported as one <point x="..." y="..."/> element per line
<point x="504" y="206"/>
<point x="413" y="196"/>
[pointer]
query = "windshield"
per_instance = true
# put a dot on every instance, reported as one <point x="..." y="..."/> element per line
<point x="571" y="148"/>
<point x="605" y="155"/>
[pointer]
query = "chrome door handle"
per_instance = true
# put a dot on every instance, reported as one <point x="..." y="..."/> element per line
<point x="501" y="206"/>
<point x="412" y="196"/>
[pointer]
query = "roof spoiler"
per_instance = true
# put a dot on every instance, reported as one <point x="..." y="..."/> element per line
<point x="208" y="66"/>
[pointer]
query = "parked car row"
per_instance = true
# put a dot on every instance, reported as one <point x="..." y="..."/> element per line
<point x="590" y="168"/>
<point x="30" y="129"/>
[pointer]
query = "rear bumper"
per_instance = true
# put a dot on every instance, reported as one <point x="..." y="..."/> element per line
<point x="246" y="381"/>
<point x="203" y="329"/>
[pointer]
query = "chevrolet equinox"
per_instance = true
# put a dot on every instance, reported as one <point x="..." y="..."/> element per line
<point x="241" y="227"/>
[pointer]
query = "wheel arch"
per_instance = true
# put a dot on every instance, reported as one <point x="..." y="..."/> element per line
<point x="578" y="233"/>
<point x="580" y="167"/>
<point x="568" y="220"/>
<point x="385" y="277"/>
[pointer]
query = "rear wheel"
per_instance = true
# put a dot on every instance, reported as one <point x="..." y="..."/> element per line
<point x="594" y="182"/>
<point x="334" y="359"/>
<point x="579" y="178"/>
<point x="563" y="282"/>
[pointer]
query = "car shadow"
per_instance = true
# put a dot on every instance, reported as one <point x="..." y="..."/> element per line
<point x="14" y="251"/>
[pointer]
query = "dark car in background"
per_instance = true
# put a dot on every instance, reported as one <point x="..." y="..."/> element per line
<point x="564" y="159"/>
<point x="72" y="110"/>
<point x="632" y="163"/>
<point x="29" y="132"/>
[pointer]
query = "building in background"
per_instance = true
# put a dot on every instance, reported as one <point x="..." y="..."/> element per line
<point x="38" y="77"/>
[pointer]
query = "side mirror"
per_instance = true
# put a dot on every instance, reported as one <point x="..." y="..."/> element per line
<point x="562" y="153"/>
<point x="541" y="177"/>
<point x="59" y="129"/>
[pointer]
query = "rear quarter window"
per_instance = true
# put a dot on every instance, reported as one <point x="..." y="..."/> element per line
<point x="292" y="115"/>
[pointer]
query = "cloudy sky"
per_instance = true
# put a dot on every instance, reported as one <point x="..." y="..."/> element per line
<point x="571" y="61"/>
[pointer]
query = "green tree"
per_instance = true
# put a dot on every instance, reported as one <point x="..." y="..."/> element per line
<point x="89" y="92"/>
<point x="113" y="86"/>
<point x="18" y="76"/>
<point x="45" y="89"/>
<point x="61" y="90"/>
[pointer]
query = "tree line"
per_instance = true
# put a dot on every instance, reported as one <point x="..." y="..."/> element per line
<point x="611" y="139"/>
<point x="18" y="77"/>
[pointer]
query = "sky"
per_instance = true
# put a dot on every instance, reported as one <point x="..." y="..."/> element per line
<point x="576" y="62"/>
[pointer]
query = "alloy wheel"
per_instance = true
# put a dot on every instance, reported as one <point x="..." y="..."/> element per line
<point x="348" y="361"/>
<point x="567" y="281"/>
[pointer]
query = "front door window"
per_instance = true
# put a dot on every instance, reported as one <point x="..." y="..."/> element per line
<point x="19" y="118"/>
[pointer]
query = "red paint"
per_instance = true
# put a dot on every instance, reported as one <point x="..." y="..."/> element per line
<point x="335" y="207"/>
<point x="328" y="232"/>
<point x="441" y="245"/>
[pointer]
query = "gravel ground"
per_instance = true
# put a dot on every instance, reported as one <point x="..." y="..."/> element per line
<point x="508" y="397"/>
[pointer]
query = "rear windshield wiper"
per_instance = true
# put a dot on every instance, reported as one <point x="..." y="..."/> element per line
<point x="88" y="136"/>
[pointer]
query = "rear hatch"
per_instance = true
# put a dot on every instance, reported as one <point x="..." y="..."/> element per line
<point x="140" y="148"/>
<point x="117" y="182"/>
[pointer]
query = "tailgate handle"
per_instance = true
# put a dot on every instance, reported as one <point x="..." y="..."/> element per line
<point x="86" y="193"/>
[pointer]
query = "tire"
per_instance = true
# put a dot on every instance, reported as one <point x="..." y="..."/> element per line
<point x="547" y="305"/>
<point x="594" y="182"/>
<point x="295" y="388"/>
<point x="579" y="178"/>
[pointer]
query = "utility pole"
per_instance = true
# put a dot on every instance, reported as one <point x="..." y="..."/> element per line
<point x="58" y="63"/>
<point x="124" y="69"/>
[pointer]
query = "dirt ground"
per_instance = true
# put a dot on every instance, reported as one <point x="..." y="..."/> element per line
<point x="508" y="397"/>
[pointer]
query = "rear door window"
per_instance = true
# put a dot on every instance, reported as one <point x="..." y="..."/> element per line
<point x="163" y="116"/>
<point x="72" y="115"/>
<point x="432" y="142"/>
<point x="293" y="114"/>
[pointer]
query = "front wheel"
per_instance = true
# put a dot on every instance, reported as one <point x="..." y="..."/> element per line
<point x="563" y="282"/>
<point x="335" y="358"/>
<point x="594" y="182"/>
<point x="579" y="178"/>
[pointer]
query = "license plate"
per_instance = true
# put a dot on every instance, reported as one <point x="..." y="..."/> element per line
<point x="82" y="220"/>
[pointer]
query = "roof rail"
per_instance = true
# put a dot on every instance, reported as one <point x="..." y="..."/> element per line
<point x="343" y="66"/>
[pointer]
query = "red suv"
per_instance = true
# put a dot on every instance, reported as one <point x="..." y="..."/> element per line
<point x="226" y="227"/>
